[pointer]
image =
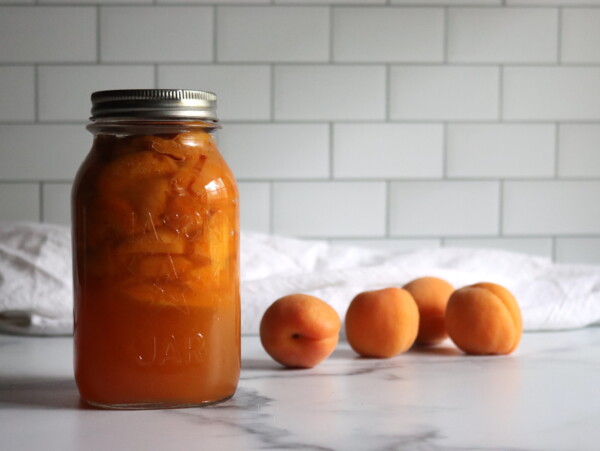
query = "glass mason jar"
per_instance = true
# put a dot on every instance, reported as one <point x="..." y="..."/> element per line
<point x="156" y="254"/>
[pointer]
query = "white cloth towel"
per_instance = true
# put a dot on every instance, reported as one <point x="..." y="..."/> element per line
<point x="36" y="285"/>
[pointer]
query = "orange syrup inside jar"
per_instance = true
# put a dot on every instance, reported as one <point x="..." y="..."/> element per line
<point x="156" y="267"/>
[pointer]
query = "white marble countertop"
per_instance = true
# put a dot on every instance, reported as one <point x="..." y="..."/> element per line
<point x="546" y="396"/>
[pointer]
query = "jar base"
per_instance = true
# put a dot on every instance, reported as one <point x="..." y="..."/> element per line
<point x="155" y="405"/>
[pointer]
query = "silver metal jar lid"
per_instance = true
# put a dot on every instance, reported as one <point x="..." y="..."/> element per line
<point x="155" y="104"/>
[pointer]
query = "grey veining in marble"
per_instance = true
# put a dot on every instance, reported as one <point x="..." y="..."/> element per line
<point x="543" y="397"/>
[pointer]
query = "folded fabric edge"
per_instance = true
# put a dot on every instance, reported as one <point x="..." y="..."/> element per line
<point x="24" y="322"/>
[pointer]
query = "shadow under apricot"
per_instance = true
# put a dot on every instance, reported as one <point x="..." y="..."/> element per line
<point x="260" y="365"/>
<point x="344" y="353"/>
<point x="437" y="350"/>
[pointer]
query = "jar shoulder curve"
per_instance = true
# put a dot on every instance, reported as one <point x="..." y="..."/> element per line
<point x="191" y="157"/>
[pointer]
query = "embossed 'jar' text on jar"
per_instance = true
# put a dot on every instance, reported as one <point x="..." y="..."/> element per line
<point x="156" y="254"/>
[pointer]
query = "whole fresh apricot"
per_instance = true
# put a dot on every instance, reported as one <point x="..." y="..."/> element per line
<point x="299" y="331"/>
<point x="431" y="295"/>
<point x="382" y="323"/>
<point x="484" y="319"/>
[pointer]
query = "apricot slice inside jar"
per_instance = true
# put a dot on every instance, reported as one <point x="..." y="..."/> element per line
<point x="164" y="236"/>
<point x="160" y="267"/>
<point x="159" y="241"/>
<point x="133" y="190"/>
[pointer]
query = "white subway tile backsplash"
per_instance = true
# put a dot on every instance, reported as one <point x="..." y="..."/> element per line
<point x="47" y="34"/>
<point x="255" y="206"/>
<point x="551" y="93"/>
<point x="70" y="87"/>
<point x="578" y="250"/>
<point x="501" y="150"/>
<point x="502" y="35"/>
<point x="343" y="92"/>
<point x="17" y="93"/>
<point x="272" y="34"/>
<point x="579" y="150"/>
<point x="139" y="34"/>
<point x="56" y="208"/>
<point x="395" y="124"/>
<point x="551" y="207"/>
<point x="276" y="151"/>
<point x="95" y="2"/>
<point x="320" y="209"/>
<point x="388" y="34"/>
<point x="444" y="93"/>
<point x="19" y="202"/>
<point x="243" y="91"/>
<point x="330" y="2"/>
<point x="444" y="208"/>
<point x="581" y="35"/>
<point x="217" y="2"/>
<point x="553" y="2"/>
<point x="42" y="152"/>
<point x="390" y="245"/>
<point x="541" y="247"/>
<point x="447" y="2"/>
<point x="388" y="150"/>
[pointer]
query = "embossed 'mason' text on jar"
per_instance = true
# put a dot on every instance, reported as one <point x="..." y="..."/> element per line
<point x="156" y="254"/>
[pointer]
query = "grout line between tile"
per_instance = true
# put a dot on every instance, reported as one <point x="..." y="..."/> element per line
<point x="36" y="94"/>
<point x="352" y="121"/>
<point x="98" y="24"/>
<point x="556" y="150"/>
<point x="559" y="36"/>
<point x="215" y="33"/>
<point x="388" y="208"/>
<point x="331" y="34"/>
<point x="501" y="93"/>
<point x="331" y="152"/>
<point x="299" y="4"/>
<point x="446" y="34"/>
<point x="272" y="92"/>
<point x="271" y="207"/>
<point x="448" y="238"/>
<point x="41" y="202"/>
<point x="501" y="208"/>
<point x="28" y="181"/>
<point x="445" y="151"/>
<point x="324" y="62"/>
<point x="367" y="180"/>
<point x="387" y="88"/>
